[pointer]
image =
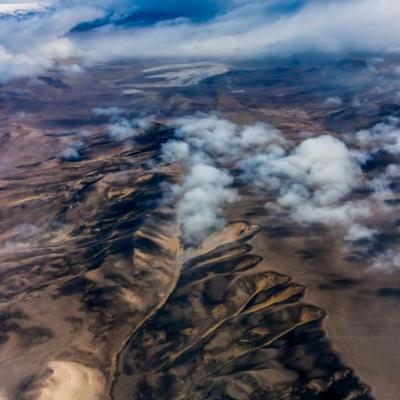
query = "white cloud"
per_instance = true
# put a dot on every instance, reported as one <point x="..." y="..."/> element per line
<point x="334" y="26"/>
<point x="385" y="135"/>
<point x="72" y="151"/>
<point x="339" y="214"/>
<point x="358" y="232"/>
<point x="381" y="183"/>
<point x="71" y="69"/>
<point x="205" y="143"/>
<point x="312" y="181"/>
<point x="220" y="138"/>
<point x="108" y="111"/>
<point x="325" y="165"/>
<point x="387" y="261"/>
<point x="129" y="92"/>
<point x="333" y="101"/>
<point x="246" y="30"/>
<point x="70" y="154"/>
<point x="31" y="45"/>
<point x="175" y="151"/>
<point x="120" y="127"/>
<point x="22" y="8"/>
<point x="203" y="196"/>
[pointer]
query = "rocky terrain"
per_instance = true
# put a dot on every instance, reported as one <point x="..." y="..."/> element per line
<point x="100" y="295"/>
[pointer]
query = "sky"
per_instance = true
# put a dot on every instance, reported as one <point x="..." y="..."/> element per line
<point x="107" y="30"/>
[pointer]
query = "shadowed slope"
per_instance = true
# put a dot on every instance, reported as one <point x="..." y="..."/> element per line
<point x="229" y="333"/>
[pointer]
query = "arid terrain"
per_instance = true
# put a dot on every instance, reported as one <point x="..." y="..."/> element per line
<point x="103" y="297"/>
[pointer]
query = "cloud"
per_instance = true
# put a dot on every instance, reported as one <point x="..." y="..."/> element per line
<point x="219" y="138"/>
<point x="319" y="162"/>
<point x="203" y="196"/>
<point x="175" y="151"/>
<point x="129" y="92"/>
<point x="22" y="8"/>
<point x="381" y="142"/>
<point x="32" y="45"/>
<point x="69" y="154"/>
<point x="382" y="136"/>
<point x="20" y="237"/>
<point x="204" y="143"/>
<point x="387" y="261"/>
<point x="333" y="101"/>
<point x="72" y="152"/>
<point x="108" y="111"/>
<point x="208" y="29"/>
<point x="120" y="127"/>
<point x="248" y="30"/>
<point x="313" y="181"/>
<point x="71" y="69"/>
<point x="201" y="143"/>
<point x="358" y="232"/>
<point x="381" y="184"/>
